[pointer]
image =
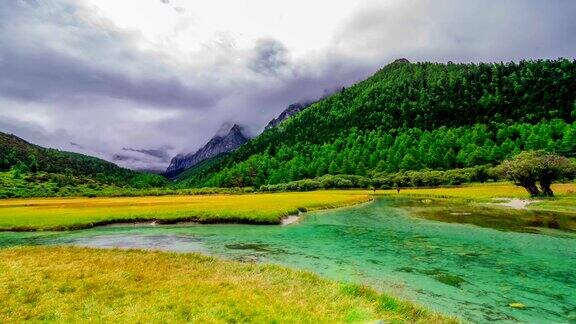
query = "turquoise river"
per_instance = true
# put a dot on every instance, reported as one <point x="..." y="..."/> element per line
<point x="471" y="272"/>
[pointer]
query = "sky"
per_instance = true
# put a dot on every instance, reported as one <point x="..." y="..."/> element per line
<point x="138" y="81"/>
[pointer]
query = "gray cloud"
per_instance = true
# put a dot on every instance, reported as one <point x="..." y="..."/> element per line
<point x="73" y="80"/>
<point x="463" y="31"/>
<point x="144" y="159"/>
<point x="40" y="75"/>
<point x="269" y="56"/>
<point x="160" y="153"/>
<point x="36" y="65"/>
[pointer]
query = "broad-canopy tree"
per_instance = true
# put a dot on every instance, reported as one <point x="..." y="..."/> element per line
<point x="531" y="167"/>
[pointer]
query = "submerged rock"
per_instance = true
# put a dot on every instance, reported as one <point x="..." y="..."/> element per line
<point x="515" y="203"/>
<point x="517" y="305"/>
<point x="290" y="220"/>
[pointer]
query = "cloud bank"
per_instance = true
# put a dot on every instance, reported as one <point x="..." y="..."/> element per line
<point x="103" y="78"/>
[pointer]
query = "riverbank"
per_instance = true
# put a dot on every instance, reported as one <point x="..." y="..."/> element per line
<point x="487" y="193"/>
<point x="60" y="214"/>
<point x="75" y="284"/>
<point x="499" y="206"/>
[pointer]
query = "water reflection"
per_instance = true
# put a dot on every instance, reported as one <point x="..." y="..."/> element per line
<point x="527" y="221"/>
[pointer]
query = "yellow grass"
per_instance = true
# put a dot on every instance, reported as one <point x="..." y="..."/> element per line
<point x="109" y="286"/>
<point x="70" y="213"/>
<point x="269" y="208"/>
<point x="482" y="191"/>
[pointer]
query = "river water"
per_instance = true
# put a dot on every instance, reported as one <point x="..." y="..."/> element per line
<point x="472" y="272"/>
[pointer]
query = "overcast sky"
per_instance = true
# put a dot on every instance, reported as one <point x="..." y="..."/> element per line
<point x="142" y="80"/>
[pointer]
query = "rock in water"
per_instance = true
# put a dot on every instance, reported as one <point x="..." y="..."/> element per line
<point x="517" y="305"/>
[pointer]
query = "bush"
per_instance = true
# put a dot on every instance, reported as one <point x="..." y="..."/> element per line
<point x="432" y="178"/>
<point x="425" y="178"/>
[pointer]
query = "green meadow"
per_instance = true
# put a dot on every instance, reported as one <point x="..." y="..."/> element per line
<point x="78" y="285"/>
<point x="255" y="208"/>
<point x="75" y="213"/>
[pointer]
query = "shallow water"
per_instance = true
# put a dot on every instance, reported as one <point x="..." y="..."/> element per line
<point x="465" y="270"/>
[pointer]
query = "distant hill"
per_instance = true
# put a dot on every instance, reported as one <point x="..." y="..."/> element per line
<point x="16" y="152"/>
<point x="217" y="146"/>
<point x="412" y="116"/>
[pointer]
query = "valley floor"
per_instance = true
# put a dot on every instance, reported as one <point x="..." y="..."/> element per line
<point x="265" y="208"/>
<point x="75" y="284"/>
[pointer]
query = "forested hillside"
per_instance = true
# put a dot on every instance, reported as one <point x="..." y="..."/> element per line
<point x="25" y="158"/>
<point x="412" y="117"/>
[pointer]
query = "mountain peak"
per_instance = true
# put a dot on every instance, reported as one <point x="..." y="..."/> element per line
<point x="236" y="129"/>
<point x="401" y="61"/>
<point x="292" y="110"/>
<point x="234" y="132"/>
<point x="217" y="145"/>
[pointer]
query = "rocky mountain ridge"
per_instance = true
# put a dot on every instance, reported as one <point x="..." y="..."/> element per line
<point x="216" y="146"/>
<point x="292" y="110"/>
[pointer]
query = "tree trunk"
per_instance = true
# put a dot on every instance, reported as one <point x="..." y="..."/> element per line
<point x="545" y="184"/>
<point x="531" y="188"/>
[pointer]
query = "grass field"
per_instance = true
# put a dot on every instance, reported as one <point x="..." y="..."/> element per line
<point x="484" y="191"/>
<point x="269" y="208"/>
<point x="74" y="213"/>
<point x="565" y="200"/>
<point x="563" y="203"/>
<point x="75" y="284"/>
